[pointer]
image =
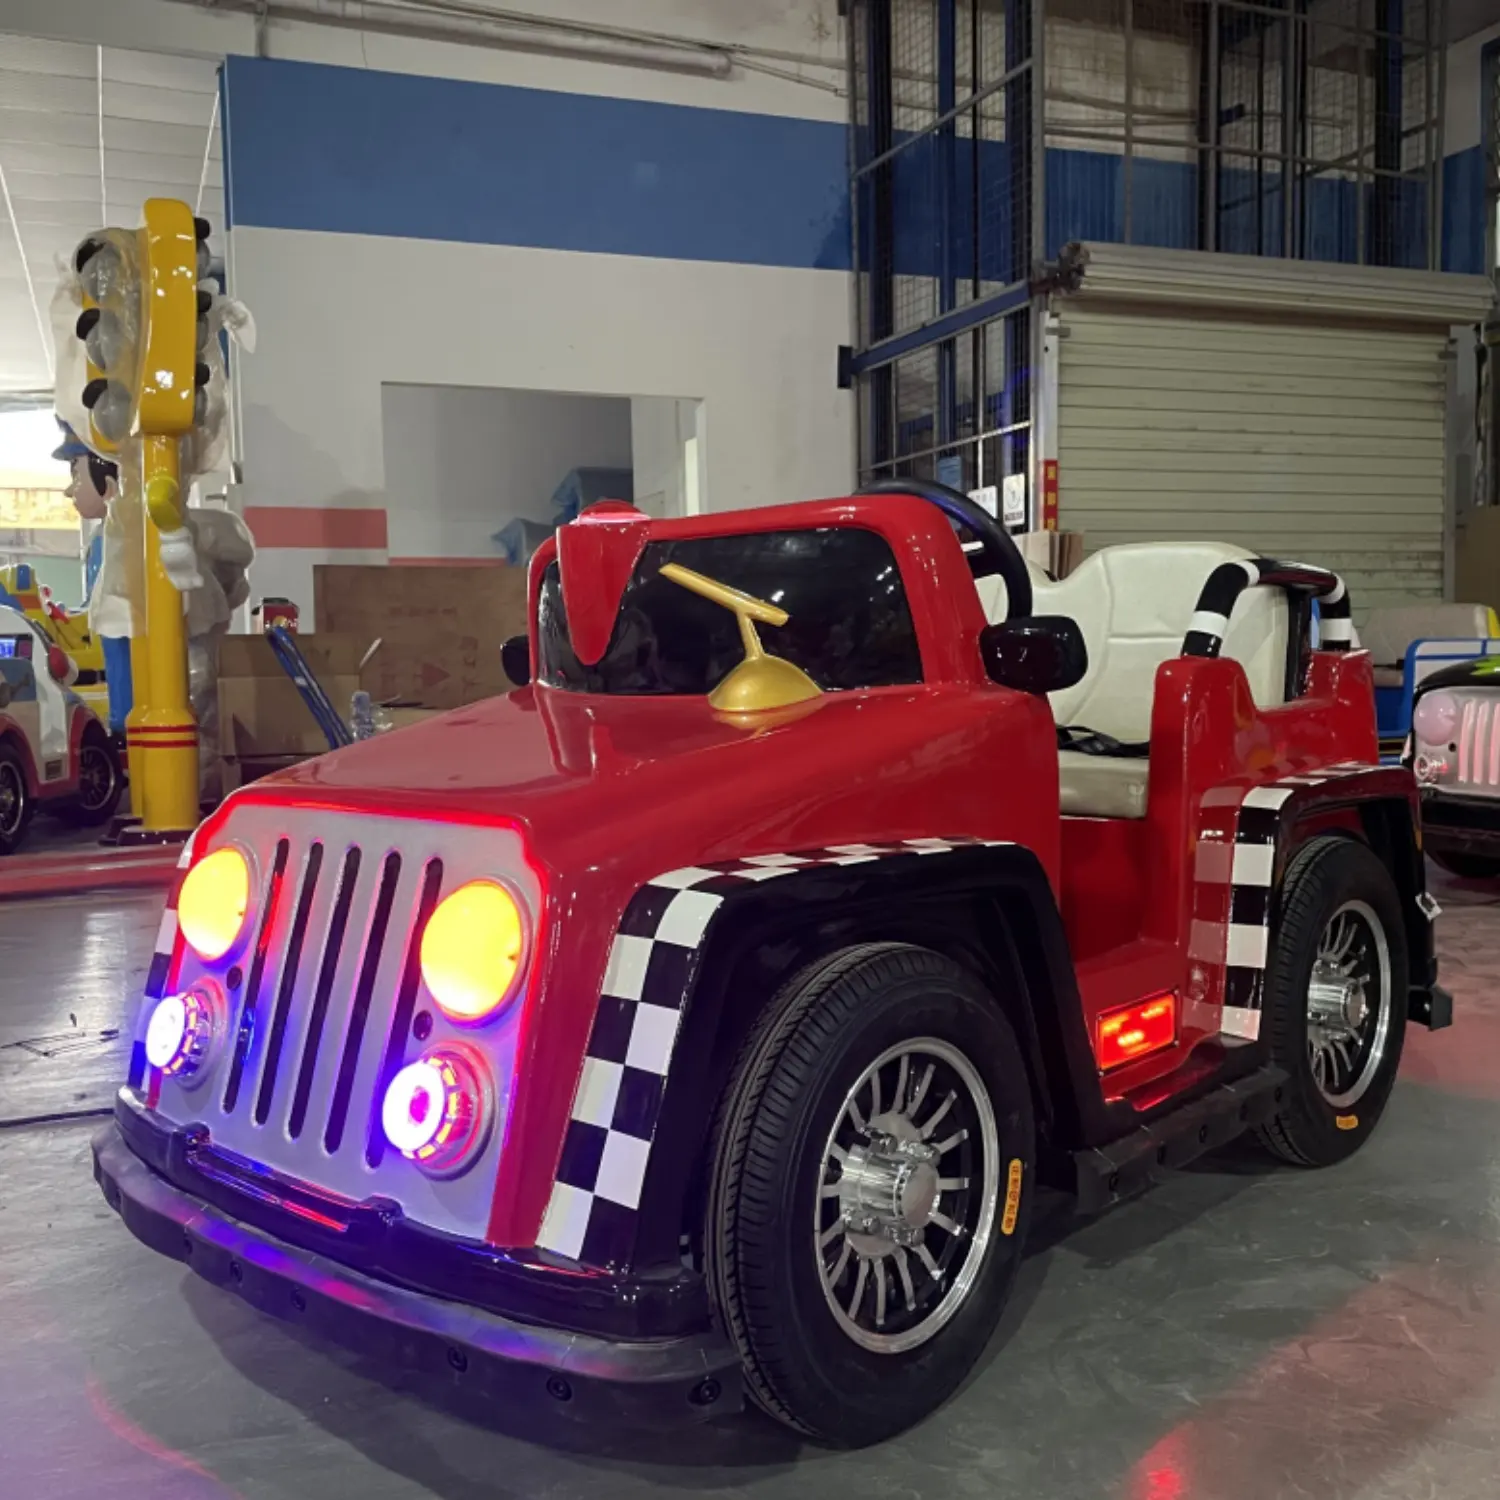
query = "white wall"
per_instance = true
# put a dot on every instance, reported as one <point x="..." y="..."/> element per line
<point x="1461" y="117"/>
<point x="660" y="427"/>
<point x="805" y="36"/>
<point x="751" y="349"/>
<point x="462" y="461"/>
<point x="755" y="343"/>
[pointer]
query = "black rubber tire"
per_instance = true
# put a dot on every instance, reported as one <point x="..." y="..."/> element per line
<point x="1466" y="866"/>
<point x="91" y="814"/>
<point x="1307" y="1130"/>
<point x="814" y="1040"/>
<point x="13" y="829"/>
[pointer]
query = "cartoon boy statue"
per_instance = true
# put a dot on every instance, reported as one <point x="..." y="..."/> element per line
<point x="96" y="482"/>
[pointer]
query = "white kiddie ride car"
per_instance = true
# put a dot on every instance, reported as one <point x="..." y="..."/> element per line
<point x="54" y="752"/>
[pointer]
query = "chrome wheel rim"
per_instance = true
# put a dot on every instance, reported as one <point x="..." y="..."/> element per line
<point x="907" y="1195"/>
<point x="1349" y="1004"/>
<point x="96" y="777"/>
<point x="12" y="798"/>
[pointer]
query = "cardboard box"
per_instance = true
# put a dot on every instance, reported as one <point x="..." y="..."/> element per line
<point x="440" y="628"/>
<point x="261" y="713"/>
<point x="403" y="717"/>
<point x="1055" y="552"/>
<point x="436" y="672"/>
<point x="235" y="771"/>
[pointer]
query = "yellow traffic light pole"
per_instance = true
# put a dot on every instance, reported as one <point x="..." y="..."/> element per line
<point x="161" y="731"/>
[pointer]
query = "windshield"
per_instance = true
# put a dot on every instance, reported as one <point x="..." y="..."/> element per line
<point x="849" y="624"/>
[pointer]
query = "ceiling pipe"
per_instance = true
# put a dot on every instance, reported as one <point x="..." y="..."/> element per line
<point x="436" y="23"/>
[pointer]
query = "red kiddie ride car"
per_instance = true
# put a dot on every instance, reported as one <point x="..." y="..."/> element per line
<point x="699" y="1019"/>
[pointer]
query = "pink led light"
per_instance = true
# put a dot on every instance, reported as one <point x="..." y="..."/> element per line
<point x="1435" y="719"/>
<point x="180" y="1031"/>
<point x="436" y="1110"/>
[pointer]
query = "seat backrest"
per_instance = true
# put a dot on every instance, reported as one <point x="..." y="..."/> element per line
<point x="1133" y="604"/>
<point x="1388" y="632"/>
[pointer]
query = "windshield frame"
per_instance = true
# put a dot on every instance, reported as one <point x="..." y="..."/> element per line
<point x="945" y="609"/>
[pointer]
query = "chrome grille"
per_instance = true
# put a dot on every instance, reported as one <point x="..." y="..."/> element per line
<point x="1478" y="765"/>
<point x="323" y="995"/>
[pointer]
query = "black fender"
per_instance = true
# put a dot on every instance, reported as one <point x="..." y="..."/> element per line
<point x="989" y="906"/>
<point x="1385" y="802"/>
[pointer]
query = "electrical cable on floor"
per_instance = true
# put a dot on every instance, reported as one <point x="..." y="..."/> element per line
<point x="60" y="1117"/>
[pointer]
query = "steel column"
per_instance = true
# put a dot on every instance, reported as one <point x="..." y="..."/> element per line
<point x="1385" y="208"/>
<point x="947" y="148"/>
<point x="881" y="196"/>
<point x="1210" y="67"/>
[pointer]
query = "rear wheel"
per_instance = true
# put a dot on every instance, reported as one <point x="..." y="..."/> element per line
<point x="100" y="780"/>
<point x="1467" y="866"/>
<point x="1336" y="995"/>
<point x="870" y="1191"/>
<point x="15" y="799"/>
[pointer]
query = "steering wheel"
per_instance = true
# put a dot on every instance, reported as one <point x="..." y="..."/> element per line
<point x="999" y="553"/>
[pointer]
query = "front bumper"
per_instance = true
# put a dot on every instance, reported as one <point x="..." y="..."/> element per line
<point x="658" y="1382"/>
<point x="1460" y="824"/>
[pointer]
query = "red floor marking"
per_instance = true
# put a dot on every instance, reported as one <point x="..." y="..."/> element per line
<point x="87" y="870"/>
<point x="116" y="1422"/>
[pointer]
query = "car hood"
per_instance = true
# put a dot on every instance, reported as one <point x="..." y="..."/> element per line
<point x="593" y="779"/>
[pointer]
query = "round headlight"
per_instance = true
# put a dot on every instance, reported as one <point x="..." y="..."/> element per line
<point x="212" y="903"/>
<point x="1435" y="718"/>
<point x="472" y="950"/>
<point x="436" y="1111"/>
<point x="181" y="1030"/>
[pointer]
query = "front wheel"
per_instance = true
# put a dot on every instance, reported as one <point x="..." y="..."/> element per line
<point x="871" y="1185"/>
<point x="100" y="781"/>
<point x="15" y="799"/>
<point x="1336" y="997"/>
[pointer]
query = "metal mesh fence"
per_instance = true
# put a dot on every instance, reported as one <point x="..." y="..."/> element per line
<point x="1263" y="127"/>
<point x="1306" y="129"/>
<point x="942" y="179"/>
<point x="945" y="166"/>
<point x="987" y="435"/>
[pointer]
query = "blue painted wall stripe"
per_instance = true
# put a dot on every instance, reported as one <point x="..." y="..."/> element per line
<point x="363" y="152"/>
<point x="356" y="151"/>
<point x="1463" y="211"/>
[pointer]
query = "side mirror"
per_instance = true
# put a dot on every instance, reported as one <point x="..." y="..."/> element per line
<point x="1035" y="654"/>
<point x="515" y="660"/>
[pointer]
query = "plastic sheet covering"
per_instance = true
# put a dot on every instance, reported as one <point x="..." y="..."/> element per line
<point x="117" y="606"/>
<point x="204" y="448"/>
<point x="113" y="276"/>
<point x="225" y="551"/>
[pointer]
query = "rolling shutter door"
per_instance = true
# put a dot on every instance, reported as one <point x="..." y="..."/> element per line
<point x="1297" y="410"/>
<point x="1300" y="442"/>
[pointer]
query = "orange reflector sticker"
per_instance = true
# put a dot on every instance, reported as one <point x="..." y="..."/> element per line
<point x="1012" y="1198"/>
<point x="1131" y="1031"/>
<point x="1346" y="1122"/>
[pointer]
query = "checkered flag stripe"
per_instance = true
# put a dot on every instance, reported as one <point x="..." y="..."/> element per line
<point x="161" y="962"/>
<point x="596" y="1194"/>
<point x="1239" y="835"/>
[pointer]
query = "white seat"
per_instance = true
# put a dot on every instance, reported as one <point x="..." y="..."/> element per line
<point x="1133" y="604"/>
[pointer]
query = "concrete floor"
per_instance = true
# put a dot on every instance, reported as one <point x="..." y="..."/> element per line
<point x="1242" y="1333"/>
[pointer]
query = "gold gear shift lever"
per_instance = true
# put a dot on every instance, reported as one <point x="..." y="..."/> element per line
<point x="761" y="681"/>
